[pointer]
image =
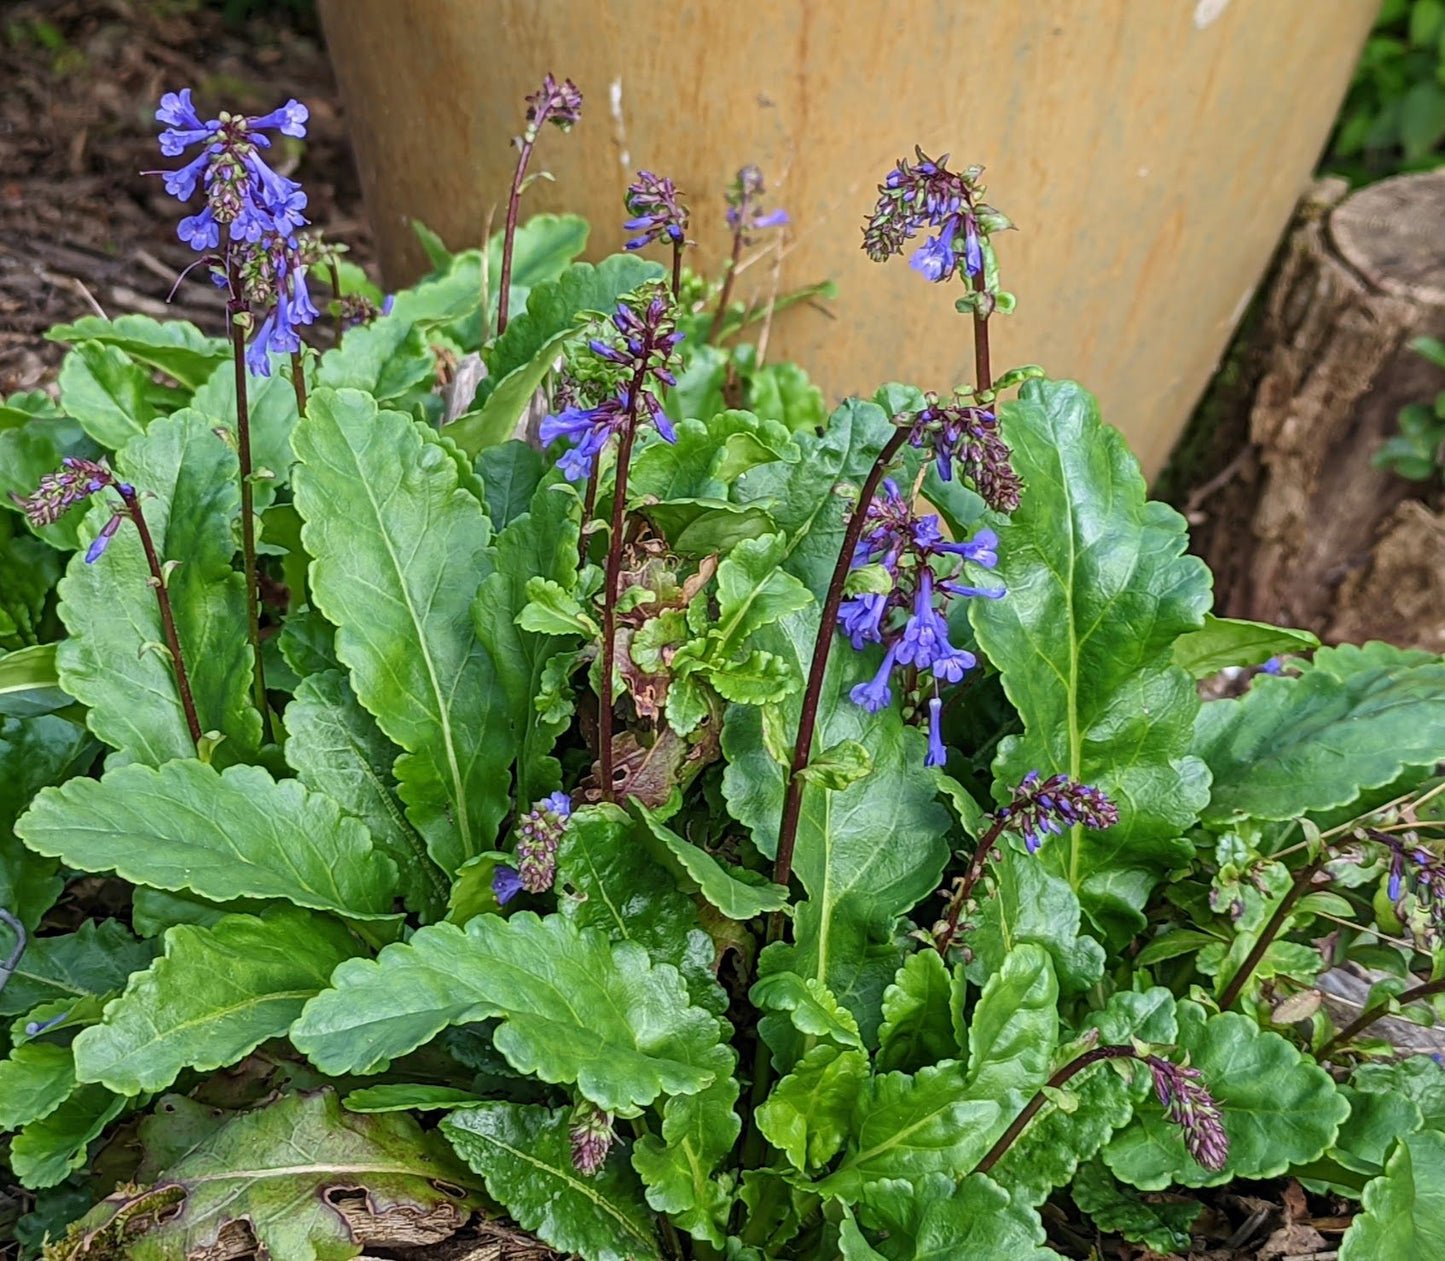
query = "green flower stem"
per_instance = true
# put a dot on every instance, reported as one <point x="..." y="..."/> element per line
<point x="168" y="618"/>
<point x="518" y="180"/>
<point x="966" y="885"/>
<point x="1372" y="1014"/>
<point x="1271" y="930"/>
<point x="1059" y="1079"/>
<point x="248" y="513"/>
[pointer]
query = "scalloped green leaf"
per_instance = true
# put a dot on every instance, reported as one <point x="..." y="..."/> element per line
<point x="806" y="1116"/>
<point x="94" y="960"/>
<point x="232" y="834"/>
<point x="29" y="570"/>
<point x="1417" y="1078"/>
<point x="213" y="996"/>
<point x="1289" y="746"/>
<point x="1280" y="1109"/>
<point x="35" y="1080"/>
<point x="709" y="455"/>
<point x="112" y="662"/>
<point x="336" y="748"/>
<point x="511" y="471"/>
<point x="176" y="347"/>
<point x="574" y="1008"/>
<point x="1015" y="1027"/>
<point x="524" y="1156"/>
<point x="1161" y="1225"/>
<point x="917" y="1028"/>
<point x="279" y="1168"/>
<point x="1229" y="641"/>
<point x="1404" y="1217"/>
<point x="937" y="1219"/>
<point x="723" y="885"/>
<point x="1099" y="588"/>
<point x="399" y="552"/>
<point x="408" y="1097"/>
<point x="48" y="1150"/>
<point x="107" y="392"/>
<point x="680" y="1166"/>
<point x="1375" y="1121"/>
<point x="540" y="543"/>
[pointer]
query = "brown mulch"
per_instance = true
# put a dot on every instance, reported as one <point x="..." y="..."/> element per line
<point x="82" y="230"/>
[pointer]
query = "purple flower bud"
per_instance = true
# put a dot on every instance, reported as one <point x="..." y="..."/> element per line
<point x="1043" y="809"/>
<point x="937" y="754"/>
<point x="657" y="210"/>
<point x="1188" y="1103"/>
<point x="102" y="540"/>
<point x="539" y="832"/>
<point x="57" y="493"/>
<point x="591" y="1138"/>
<point x="557" y="103"/>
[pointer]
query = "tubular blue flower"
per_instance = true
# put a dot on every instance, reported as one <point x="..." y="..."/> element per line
<point x="861" y="617"/>
<point x="876" y="695"/>
<point x="925" y="634"/>
<point x="506" y="884"/>
<point x="937" y="754"/>
<point x="935" y="259"/>
<point x="102" y="540"/>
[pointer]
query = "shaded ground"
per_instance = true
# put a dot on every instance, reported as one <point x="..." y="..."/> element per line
<point x="81" y="229"/>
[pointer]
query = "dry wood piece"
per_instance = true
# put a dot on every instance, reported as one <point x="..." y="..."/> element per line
<point x="1307" y="532"/>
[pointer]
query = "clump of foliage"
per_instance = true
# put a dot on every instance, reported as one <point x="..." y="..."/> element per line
<point x="1393" y="119"/>
<point x="1418" y="450"/>
<point x="685" y="820"/>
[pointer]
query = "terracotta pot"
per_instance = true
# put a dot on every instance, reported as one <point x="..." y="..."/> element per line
<point x="1150" y="152"/>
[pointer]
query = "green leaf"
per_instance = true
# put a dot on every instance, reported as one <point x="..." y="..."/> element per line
<point x="1015" y="1027"/>
<point x="1375" y="1121"/>
<point x="724" y="886"/>
<point x="36" y="1079"/>
<point x="524" y="354"/>
<point x="936" y="1219"/>
<point x="1029" y="904"/>
<point x="618" y="889"/>
<point x="752" y="593"/>
<point x="524" y="1155"/>
<point x="709" y="455"/>
<point x="1099" y="589"/>
<point x="1418" y="1078"/>
<point x="680" y="1167"/>
<point x="1279" y="1108"/>
<point x="511" y="472"/>
<point x="29" y="569"/>
<point x="237" y="833"/>
<point x="46" y="1151"/>
<point x="1228" y="641"/>
<point x="111" y="662"/>
<point x="1404" y="1215"/>
<point x="279" y="1172"/>
<point x="94" y="960"/>
<point x="799" y="495"/>
<point x="917" y="1028"/>
<point x="574" y="1008"/>
<point x="399" y="551"/>
<point x="401" y="1097"/>
<point x="213" y="997"/>
<point x="1293" y="745"/>
<point x="806" y="1116"/>
<point x="107" y="392"/>
<point x="335" y="747"/>
<point x="867" y="854"/>
<point x="175" y="347"/>
<point x="29" y="683"/>
<point x="539" y="546"/>
<point x="272" y="415"/>
<point x="1049" y="1150"/>
<point x="1161" y="1225"/>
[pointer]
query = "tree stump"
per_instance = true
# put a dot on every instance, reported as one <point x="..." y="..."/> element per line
<point x="1300" y="527"/>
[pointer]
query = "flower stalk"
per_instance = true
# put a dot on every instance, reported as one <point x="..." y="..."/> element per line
<point x="1366" y="1018"/>
<point x="1271" y="930"/>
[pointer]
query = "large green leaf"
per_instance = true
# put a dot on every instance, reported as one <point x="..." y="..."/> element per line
<point x="175" y="347"/>
<point x="1015" y="1028"/>
<point x="213" y="997"/>
<point x="1162" y="1225"/>
<point x="938" y="1219"/>
<point x="1418" y="1078"/>
<point x="107" y="392"/>
<point x="1227" y="641"/>
<point x="1353" y="721"/>
<point x="335" y="747"/>
<point x="541" y="543"/>
<point x="574" y="1008"/>
<point x="282" y="1170"/>
<point x="1404" y="1217"/>
<point x="735" y="891"/>
<point x="865" y="854"/>
<point x="92" y="961"/>
<point x="399" y="551"/>
<point x="524" y="354"/>
<point x="224" y="835"/>
<point x="1279" y="1108"/>
<point x="46" y="1151"/>
<point x="680" y="1166"/>
<point x="30" y="681"/>
<point x="806" y="1115"/>
<point x="511" y="472"/>
<point x="113" y="661"/>
<point x="524" y="1155"/>
<point x="1099" y="588"/>
<point x="618" y="889"/>
<point x="917" y="1028"/>
<point x="36" y="1079"/>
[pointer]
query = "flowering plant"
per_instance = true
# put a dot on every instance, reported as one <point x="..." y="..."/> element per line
<point x="636" y="801"/>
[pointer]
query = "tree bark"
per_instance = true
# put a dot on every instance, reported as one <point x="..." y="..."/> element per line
<point x="1298" y="525"/>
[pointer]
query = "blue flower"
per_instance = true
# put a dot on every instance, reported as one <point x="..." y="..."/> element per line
<point x="506" y="884"/>
<point x="935" y="260"/>
<point x="861" y="617"/>
<point x="559" y="803"/>
<point x="937" y="754"/>
<point x="102" y="540"/>
<point x="657" y="211"/>
<point x="925" y="635"/>
<point x="876" y="695"/>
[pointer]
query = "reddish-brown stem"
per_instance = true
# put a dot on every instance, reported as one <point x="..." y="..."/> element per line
<point x="298" y="380"/>
<point x="1372" y="1014"/>
<point x="812" y="694"/>
<point x="609" y="598"/>
<point x="168" y="619"/>
<point x="1060" y="1078"/>
<point x="966" y="884"/>
<point x="676" y="269"/>
<point x="248" y="507"/>
<point x="982" y="371"/>
<point x="726" y="295"/>
<point x="518" y="179"/>
<point x="336" y="294"/>
<point x="1271" y="930"/>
